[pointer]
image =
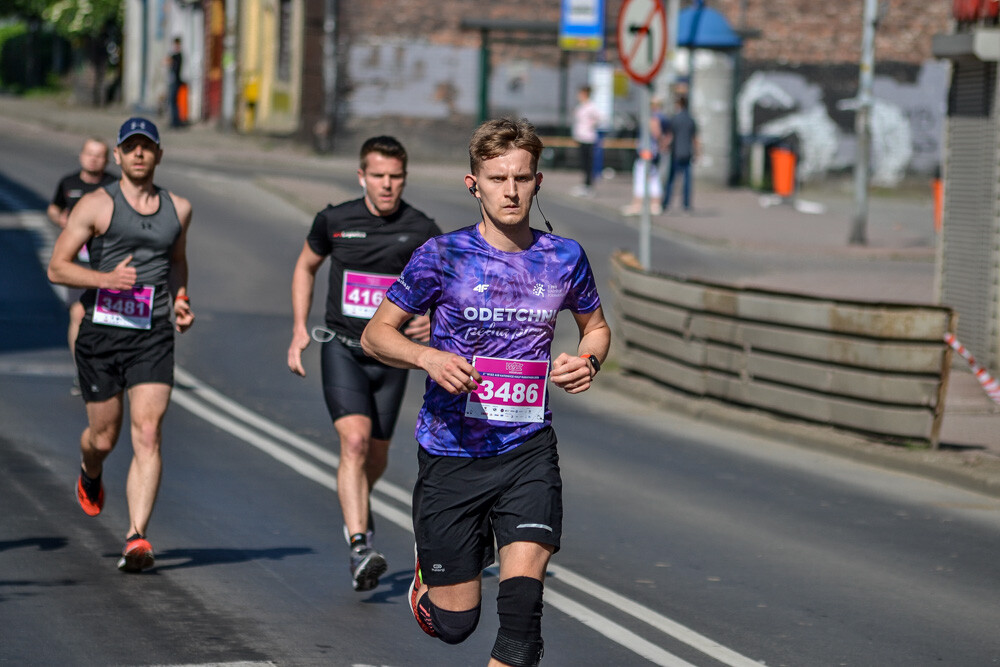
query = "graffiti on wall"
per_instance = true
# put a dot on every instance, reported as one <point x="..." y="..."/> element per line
<point x="435" y="82"/>
<point x="906" y="124"/>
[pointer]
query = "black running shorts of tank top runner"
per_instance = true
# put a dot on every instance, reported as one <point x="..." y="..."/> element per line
<point x="460" y="504"/>
<point x="111" y="359"/>
<point x="356" y="384"/>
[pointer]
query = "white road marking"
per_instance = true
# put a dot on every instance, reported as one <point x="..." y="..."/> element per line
<point x="613" y="631"/>
<point x="242" y="663"/>
<point x="207" y="403"/>
<point x="237" y="424"/>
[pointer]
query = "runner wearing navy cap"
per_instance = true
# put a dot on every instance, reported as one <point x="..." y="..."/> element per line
<point x="135" y="284"/>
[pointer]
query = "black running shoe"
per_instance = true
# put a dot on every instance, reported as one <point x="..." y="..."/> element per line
<point x="367" y="565"/>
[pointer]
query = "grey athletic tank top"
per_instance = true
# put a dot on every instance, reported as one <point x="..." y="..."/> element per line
<point x="148" y="238"/>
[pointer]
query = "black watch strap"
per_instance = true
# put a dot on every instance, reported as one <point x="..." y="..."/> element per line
<point x="593" y="362"/>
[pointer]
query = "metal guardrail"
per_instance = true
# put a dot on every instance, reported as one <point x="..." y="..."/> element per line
<point x="875" y="368"/>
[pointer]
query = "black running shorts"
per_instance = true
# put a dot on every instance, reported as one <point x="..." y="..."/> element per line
<point x="356" y="384"/>
<point x="112" y="359"/>
<point x="459" y="504"/>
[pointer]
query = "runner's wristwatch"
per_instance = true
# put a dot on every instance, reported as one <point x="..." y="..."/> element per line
<point x="593" y="362"/>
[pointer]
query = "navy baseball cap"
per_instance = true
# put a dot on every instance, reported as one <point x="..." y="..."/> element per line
<point x="141" y="126"/>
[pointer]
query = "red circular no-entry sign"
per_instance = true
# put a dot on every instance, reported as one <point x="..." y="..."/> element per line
<point x="642" y="38"/>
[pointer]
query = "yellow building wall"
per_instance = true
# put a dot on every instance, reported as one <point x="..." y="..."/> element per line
<point x="270" y="65"/>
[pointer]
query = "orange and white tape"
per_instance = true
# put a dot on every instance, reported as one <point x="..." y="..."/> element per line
<point x="990" y="385"/>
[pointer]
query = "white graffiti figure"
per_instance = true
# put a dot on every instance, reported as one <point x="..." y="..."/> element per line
<point x="760" y="91"/>
<point x="892" y="144"/>
<point x="818" y="135"/>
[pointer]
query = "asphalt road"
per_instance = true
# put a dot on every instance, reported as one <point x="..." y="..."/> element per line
<point x="685" y="543"/>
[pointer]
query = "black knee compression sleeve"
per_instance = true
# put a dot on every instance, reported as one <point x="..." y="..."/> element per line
<point x="452" y="627"/>
<point x="519" y="605"/>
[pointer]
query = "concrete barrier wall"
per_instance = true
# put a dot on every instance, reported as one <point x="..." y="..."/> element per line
<point x="876" y="368"/>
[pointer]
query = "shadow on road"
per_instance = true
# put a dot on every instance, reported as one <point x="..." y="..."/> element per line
<point x="31" y="315"/>
<point x="43" y="543"/>
<point x="201" y="557"/>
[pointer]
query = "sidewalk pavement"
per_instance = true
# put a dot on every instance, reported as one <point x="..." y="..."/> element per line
<point x="749" y="224"/>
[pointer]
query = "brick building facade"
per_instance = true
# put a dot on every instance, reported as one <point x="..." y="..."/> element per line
<point x="410" y="68"/>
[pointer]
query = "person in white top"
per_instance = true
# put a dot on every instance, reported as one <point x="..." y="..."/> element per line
<point x="586" y="120"/>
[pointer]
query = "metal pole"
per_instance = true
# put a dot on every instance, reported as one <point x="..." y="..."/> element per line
<point x="484" y="75"/>
<point x="329" y="75"/>
<point x="229" y="42"/>
<point x="859" y="229"/>
<point x="673" y="10"/>
<point x="645" y="222"/>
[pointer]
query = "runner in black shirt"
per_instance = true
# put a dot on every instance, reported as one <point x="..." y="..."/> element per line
<point x="71" y="188"/>
<point x="368" y="241"/>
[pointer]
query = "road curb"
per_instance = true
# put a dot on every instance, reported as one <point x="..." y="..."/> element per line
<point x="972" y="470"/>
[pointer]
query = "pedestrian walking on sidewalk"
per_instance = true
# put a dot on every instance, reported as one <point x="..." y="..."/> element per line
<point x="684" y="146"/>
<point x="488" y="464"/>
<point x="71" y="188"/>
<point x="137" y="280"/>
<point x="368" y="240"/>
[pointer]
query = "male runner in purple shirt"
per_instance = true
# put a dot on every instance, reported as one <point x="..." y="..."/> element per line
<point x="488" y="465"/>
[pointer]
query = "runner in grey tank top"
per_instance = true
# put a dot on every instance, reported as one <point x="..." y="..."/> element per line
<point x="136" y="299"/>
<point x="148" y="238"/>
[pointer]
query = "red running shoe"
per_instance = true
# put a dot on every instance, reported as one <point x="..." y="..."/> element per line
<point x="423" y="619"/>
<point x="92" y="507"/>
<point x="137" y="555"/>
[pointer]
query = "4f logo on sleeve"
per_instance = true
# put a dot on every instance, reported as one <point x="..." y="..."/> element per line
<point x="481" y="287"/>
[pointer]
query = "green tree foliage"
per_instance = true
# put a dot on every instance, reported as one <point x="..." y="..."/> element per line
<point x="24" y="9"/>
<point x="93" y="27"/>
<point x="75" y="19"/>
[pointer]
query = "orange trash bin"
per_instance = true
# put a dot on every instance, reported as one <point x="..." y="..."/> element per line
<point x="783" y="171"/>
<point x="937" y="187"/>
<point x="182" y="102"/>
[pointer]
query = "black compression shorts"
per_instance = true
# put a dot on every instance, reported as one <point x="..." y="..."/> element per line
<point x="460" y="503"/>
<point x="355" y="384"/>
<point x="112" y="359"/>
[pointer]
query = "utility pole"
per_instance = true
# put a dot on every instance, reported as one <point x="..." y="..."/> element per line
<point x="229" y="42"/>
<point x="673" y="10"/>
<point x="330" y="82"/>
<point x="862" y="125"/>
<point x="645" y="141"/>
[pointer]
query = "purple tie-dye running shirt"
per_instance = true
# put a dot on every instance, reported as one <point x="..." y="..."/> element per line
<point x="489" y="303"/>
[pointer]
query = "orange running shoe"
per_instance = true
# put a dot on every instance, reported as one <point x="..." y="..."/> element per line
<point x="92" y="507"/>
<point x="137" y="554"/>
<point x="423" y="619"/>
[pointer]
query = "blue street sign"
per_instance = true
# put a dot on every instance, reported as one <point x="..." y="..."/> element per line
<point x="581" y="25"/>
